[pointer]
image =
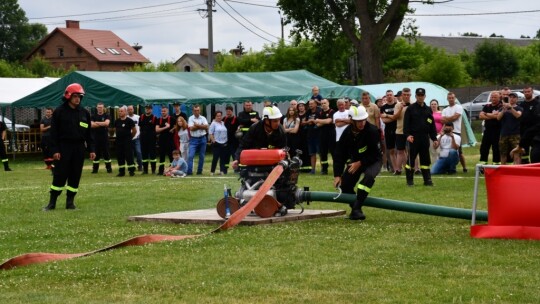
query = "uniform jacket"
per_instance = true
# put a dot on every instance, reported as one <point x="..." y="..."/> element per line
<point x="363" y="146"/>
<point x="419" y="120"/>
<point x="256" y="138"/>
<point x="71" y="126"/>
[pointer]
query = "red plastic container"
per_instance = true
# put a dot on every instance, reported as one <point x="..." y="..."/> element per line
<point x="266" y="157"/>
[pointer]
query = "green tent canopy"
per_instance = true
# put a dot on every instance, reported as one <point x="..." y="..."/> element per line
<point x="139" y="88"/>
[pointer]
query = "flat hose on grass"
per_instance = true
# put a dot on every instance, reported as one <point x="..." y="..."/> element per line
<point x="234" y="219"/>
<point x="390" y="204"/>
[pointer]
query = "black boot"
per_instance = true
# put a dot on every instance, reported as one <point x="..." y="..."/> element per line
<point x="153" y="167"/>
<point x="356" y="211"/>
<point x="121" y="172"/>
<point x="6" y="165"/>
<point x="324" y="169"/>
<point x="426" y="174"/>
<point x="95" y="167"/>
<point x="145" y="168"/>
<point x="131" y="171"/>
<point x="161" y="169"/>
<point x="52" y="200"/>
<point x="409" y="173"/>
<point x="70" y="198"/>
<point x="108" y="166"/>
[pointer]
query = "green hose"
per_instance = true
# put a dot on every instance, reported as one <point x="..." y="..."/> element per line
<point x="395" y="205"/>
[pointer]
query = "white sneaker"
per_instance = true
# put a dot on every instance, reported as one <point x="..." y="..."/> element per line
<point x="183" y="175"/>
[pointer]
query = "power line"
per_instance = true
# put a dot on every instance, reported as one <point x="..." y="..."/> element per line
<point x="251" y="22"/>
<point x="473" y="14"/>
<point x="115" y="11"/>
<point x="247" y="3"/>
<point x="242" y="24"/>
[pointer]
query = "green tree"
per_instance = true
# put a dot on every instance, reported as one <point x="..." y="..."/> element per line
<point x="163" y="66"/>
<point x="444" y="70"/>
<point x="17" y="36"/>
<point x="529" y="63"/>
<point x="328" y="61"/>
<point x="496" y="61"/>
<point x="370" y="26"/>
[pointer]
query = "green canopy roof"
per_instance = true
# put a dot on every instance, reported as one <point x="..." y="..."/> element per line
<point x="120" y="88"/>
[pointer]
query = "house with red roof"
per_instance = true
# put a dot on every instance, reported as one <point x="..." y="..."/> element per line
<point x="87" y="50"/>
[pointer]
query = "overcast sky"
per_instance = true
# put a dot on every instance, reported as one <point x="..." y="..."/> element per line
<point x="167" y="29"/>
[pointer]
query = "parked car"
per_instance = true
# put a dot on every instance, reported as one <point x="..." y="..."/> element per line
<point x="18" y="127"/>
<point x="474" y="107"/>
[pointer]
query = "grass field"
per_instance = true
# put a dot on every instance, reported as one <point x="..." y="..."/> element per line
<point x="392" y="257"/>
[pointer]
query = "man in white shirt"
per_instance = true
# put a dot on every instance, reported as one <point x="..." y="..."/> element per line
<point x="198" y="127"/>
<point x="341" y="118"/>
<point x="454" y="114"/>
<point x="136" y="141"/>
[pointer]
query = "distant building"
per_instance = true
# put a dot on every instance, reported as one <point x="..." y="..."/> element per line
<point x="88" y="50"/>
<point x="194" y="62"/>
<point x="457" y="44"/>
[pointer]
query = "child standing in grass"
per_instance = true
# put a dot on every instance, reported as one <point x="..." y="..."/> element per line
<point x="178" y="166"/>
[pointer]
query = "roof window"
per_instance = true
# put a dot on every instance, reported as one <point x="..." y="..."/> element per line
<point x="100" y="50"/>
<point x="126" y="51"/>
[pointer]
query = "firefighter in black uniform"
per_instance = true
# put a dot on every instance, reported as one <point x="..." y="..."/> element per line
<point x="418" y="128"/>
<point x="3" y="155"/>
<point x="166" y="138"/>
<point x="247" y="117"/>
<point x="327" y="134"/>
<point x="268" y="133"/>
<point x="70" y="137"/>
<point x="147" y="125"/>
<point x="125" y="131"/>
<point x="100" y="131"/>
<point x="359" y="149"/>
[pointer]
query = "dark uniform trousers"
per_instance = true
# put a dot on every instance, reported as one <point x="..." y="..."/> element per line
<point x="148" y="152"/>
<point x="166" y="146"/>
<point x="102" y="151"/>
<point x="326" y="145"/>
<point x="420" y="146"/>
<point x="68" y="168"/>
<point x="490" y="139"/>
<point x="124" y="154"/>
<point x="350" y="181"/>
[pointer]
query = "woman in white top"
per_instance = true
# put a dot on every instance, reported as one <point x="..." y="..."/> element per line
<point x="218" y="138"/>
<point x="291" y="123"/>
<point x="181" y="137"/>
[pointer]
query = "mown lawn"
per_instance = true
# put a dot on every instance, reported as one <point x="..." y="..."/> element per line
<point x="392" y="257"/>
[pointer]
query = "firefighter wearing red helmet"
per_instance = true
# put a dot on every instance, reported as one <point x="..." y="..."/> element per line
<point x="70" y="138"/>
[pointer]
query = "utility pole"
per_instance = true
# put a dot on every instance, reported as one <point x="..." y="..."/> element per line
<point x="209" y="5"/>
<point x="209" y="11"/>
<point x="282" y="32"/>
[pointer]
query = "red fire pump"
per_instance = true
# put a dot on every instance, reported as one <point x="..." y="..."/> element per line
<point x="255" y="166"/>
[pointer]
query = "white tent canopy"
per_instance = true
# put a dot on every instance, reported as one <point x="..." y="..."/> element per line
<point x="12" y="89"/>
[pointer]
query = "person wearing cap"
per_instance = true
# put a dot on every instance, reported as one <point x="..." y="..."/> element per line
<point x="265" y="134"/>
<point x="418" y="128"/>
<point x="100" y="130"/>
<point x="357" y="152"/>
<point x="448" y="155"/>
<point x="399" y="96"/>
<point x="147" y="126"/>
<point x="70" y="138"/>
<point x="510" y="117"/>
